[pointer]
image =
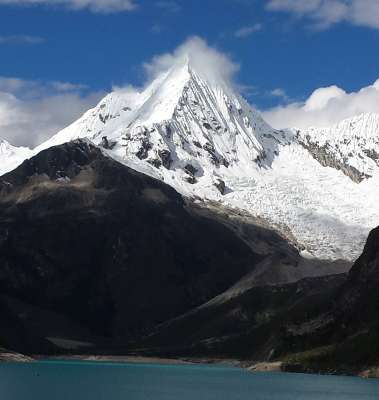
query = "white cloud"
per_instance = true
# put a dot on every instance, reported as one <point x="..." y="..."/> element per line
<point x="96" y="6"/>
<point x="279" y="92"/>
<point x="11" y="84"/>
<point x="32" y="89"/>
<point x="325" y="13"/>
<point x="320" y="98"/>
<point x="246" y="31"/>
<point x="21" y="39"/>
<point x="246" y="90"/>
<point x="169" y="5"/>
<point x="208" y="61"/>
<point x="66" y="86"/>
<point x="325" y="107"/>
<point x="31" y="112"/>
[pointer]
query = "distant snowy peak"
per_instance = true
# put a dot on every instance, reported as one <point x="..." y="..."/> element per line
<point x="351" y="146"/>
<point x="6" y="148"/>
<point x="11" y="156"/>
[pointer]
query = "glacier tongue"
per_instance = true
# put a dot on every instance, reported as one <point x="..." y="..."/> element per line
<point x="203" y="139"/>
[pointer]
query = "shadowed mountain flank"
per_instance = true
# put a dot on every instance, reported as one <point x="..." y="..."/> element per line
<point x="105" y="252"/>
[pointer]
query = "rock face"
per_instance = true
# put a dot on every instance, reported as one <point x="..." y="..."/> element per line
<point x="101" y="251"/>
<point x="326" y="156"/>
<point x="358" y="302"/>
<point x="344" y="335"/>
<point x="366" y="270"/>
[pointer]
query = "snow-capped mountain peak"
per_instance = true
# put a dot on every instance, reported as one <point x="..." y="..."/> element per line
<point x="179" y="122"/>
<point x="201" y="137"/>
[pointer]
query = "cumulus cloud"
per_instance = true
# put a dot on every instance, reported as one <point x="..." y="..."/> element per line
<point x="31" y="112"/>
<point x="246" y="31"/>
<point x="321" y="97"/>
<point x="21" y="39"/>
<point x="326" y="13"/>
<point x="324" y="107"/>
<point x="213" y="64"/>
<point x="96" y="6"/>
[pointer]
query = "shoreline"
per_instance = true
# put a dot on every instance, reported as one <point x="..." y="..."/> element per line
<point x="134" y="359"/>
<point x="259" y="367"/>
<point x="280" y="366"/>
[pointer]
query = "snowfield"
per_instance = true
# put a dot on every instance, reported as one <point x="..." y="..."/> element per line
<point x="319" y="186"/>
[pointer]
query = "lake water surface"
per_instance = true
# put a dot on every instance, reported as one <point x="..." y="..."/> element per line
<point x="111" y="381"/>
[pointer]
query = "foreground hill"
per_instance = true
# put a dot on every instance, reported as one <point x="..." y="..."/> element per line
<point x="93" y="253"/>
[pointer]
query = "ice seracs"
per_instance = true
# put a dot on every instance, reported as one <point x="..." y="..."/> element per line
<point x="318" y="187"/>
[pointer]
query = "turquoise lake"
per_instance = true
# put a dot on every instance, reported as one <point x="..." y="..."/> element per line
<point x="111" y="381"/>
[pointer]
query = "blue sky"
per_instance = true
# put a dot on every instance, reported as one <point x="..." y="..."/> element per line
<point x="286" y="48"/>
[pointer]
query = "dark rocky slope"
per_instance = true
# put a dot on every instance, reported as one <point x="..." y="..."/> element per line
<point x="326" y="324"/>
<point x="344" y="336"/>
<point x="94" y="254"/>
<point x="247" y="325"/>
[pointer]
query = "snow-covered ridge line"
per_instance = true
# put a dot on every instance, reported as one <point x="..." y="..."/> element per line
<point x="206" y="141"/>
<point x="351" y="145"/>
